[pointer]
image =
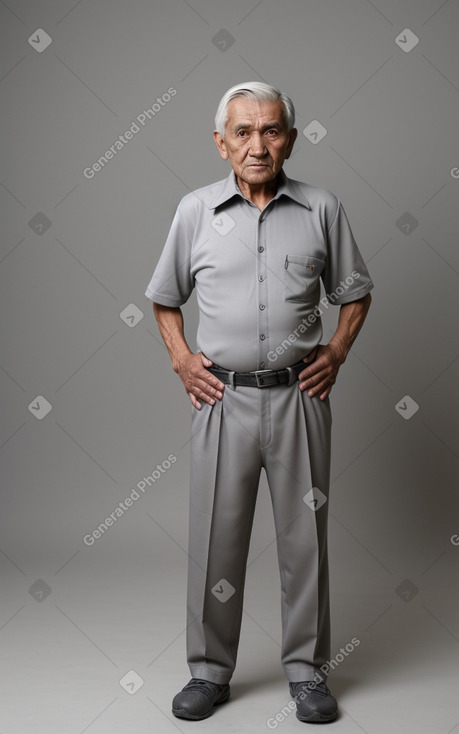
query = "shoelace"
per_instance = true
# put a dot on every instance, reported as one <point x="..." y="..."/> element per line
<point x="197" y="684"/>
<point x="310" y="687"/>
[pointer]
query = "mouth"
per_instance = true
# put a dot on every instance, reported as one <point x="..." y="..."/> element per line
<point x="258" y="165"/>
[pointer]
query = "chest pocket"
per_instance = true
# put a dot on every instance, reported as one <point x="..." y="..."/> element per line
<point x="301" y="277"/>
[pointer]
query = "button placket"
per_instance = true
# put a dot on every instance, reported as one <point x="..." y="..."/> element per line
<point x="262" y="292"/>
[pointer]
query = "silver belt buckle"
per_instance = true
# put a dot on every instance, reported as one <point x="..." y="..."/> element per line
<point x="258" y="376"/>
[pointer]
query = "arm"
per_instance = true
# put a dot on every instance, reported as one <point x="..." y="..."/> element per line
<point x="191" y="368"/>
<point x="319" y="378"/>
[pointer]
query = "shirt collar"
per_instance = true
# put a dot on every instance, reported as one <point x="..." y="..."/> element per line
<point x="286" y="187"/>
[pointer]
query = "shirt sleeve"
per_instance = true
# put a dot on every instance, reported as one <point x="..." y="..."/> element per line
<point x="345" y="276"/>
<point x="172" y="282"/>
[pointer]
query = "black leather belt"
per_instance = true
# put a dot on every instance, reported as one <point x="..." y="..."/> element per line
<point x="260" y="378"/>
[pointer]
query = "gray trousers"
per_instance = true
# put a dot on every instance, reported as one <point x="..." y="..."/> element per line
<point x="283" y="430"/>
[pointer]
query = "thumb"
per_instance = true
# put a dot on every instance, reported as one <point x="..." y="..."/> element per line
<point x="205" y="360"/>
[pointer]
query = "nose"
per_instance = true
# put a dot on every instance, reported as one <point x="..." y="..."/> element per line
<point x="257" y="145"/>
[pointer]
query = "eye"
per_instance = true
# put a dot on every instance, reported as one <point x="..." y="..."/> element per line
<point x="241" y="133"/>
<point x="274" y="131"/>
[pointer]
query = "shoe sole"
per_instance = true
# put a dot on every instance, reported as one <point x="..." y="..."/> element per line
<point x="316" y="718"/>
<point x="182" y="714"/>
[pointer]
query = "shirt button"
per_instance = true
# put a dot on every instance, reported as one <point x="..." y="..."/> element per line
<point x="261" y="278"/>
<point x="262" y="336"/>
<point x="261" y="248"/>
<point x="262" y="307"/>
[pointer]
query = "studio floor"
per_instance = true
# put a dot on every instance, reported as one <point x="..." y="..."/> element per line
<point x="100" y="648"/>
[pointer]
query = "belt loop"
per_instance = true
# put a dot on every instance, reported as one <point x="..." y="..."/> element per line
<point x="292" y="376"/>
<point x="231" y="381"/>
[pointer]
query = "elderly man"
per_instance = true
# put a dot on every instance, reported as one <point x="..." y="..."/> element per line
<point x="256" y="246"/>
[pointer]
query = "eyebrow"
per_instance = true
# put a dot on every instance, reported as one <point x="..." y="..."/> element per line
<point x="268" y="126"/>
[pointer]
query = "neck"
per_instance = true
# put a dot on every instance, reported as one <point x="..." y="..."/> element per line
<point x="259" y="194"/>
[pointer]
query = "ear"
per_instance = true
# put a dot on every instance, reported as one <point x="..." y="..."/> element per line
<point x="220" y="143"/>
<point x="292" y="137"/>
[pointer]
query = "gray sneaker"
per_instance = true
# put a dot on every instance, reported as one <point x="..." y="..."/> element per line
<point x="197" y="699"/>
<point x="314" y="702"/>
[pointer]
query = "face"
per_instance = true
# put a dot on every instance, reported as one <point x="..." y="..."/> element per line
<point x="256" y="139"/>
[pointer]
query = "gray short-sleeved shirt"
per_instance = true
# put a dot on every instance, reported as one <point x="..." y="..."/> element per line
<point x="257" y="273"/>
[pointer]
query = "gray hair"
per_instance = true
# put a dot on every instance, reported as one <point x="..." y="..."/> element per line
<point x="254" y="90"/>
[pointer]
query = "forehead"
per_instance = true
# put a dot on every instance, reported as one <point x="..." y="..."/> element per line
<point x="254" y="112"/>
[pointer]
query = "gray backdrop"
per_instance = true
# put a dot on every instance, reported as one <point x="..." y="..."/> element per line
<point x="93" y="628"/>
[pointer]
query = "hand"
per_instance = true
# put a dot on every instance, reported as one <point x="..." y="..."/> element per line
<point x="198" y="381"/>
<point x="320" y="376"/>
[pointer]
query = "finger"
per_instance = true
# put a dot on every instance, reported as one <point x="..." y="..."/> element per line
<point x="194" y="402"/>
<point x="214" y="381"/>
<point x="201" y="394"/>
<point x="312" y="356"/>
<point x="211" y="383"/>
<point x="205" y="360"/>
<point x="207" y="399"/>
<point x="208" y="377"/>
<point x="324" y="393"/>
<point x="321" y="388"/>
<point x="207" y="389"/>
<point x="318" y="365"/>
<point x="310" y="371"/>
<point x="314" y="379"/>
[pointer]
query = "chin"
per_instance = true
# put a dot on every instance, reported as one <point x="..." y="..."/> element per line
<point x="265" y="173"/>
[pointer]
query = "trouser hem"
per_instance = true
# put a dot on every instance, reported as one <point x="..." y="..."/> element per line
<point x="206" y="673"/>
<point x="305" y="674"/>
